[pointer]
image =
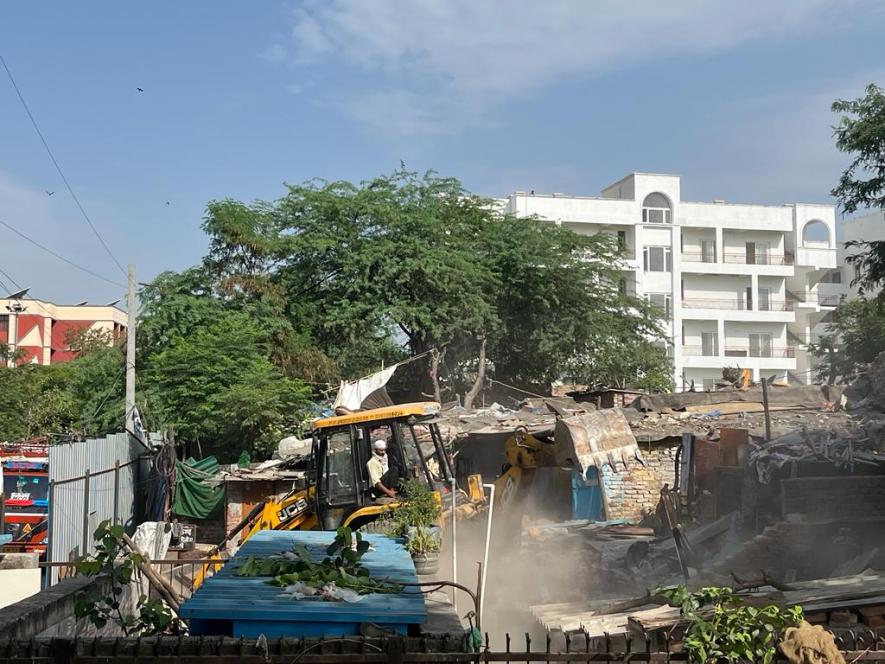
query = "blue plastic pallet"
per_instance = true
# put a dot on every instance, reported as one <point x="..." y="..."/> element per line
<point x="231" y="605"/>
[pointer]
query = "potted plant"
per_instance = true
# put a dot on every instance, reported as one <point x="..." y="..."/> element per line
<point x="423" y="546"/>
<point x="415" y="520"/>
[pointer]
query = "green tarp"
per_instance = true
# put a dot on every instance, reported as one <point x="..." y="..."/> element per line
<point x="194" y="496"/>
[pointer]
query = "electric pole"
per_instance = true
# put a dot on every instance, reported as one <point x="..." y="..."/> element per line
<point x="130" y="352"/>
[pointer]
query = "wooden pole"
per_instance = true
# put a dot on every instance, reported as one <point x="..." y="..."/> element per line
<point x="765" y="408"/>
<point x="158" y="582"/>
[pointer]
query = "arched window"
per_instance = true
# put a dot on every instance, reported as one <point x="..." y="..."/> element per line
<point x="656" y="209"/>
<point x="815" y="234"/>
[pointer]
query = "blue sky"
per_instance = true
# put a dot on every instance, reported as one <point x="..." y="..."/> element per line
<point x="560" y="96"/>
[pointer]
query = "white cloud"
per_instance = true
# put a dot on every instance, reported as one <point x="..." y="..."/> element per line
<point x="444" y="64"/>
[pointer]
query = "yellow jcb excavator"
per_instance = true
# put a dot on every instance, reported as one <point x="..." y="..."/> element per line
<point x="338" y="491"/>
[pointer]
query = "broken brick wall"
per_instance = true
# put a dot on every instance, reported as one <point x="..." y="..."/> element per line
<point x="633" y="492"/>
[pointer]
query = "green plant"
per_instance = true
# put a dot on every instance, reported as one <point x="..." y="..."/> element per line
<point x="722" y="627"/>
<point x="119" y="565"/>
<point x="297" y="566"/>
<point x="419" y="508"/>
<point x="422" y="542"/>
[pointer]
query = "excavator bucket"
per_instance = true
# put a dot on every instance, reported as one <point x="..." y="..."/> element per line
<point x="595" y="439"/>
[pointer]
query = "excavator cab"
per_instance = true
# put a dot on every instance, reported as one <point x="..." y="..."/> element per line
<point x="342" y="446"/>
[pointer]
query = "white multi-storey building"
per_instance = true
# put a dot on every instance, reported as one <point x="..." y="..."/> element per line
<point x="737" y="284"/>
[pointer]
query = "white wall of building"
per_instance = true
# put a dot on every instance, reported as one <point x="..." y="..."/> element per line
<point x="713" y="253"/>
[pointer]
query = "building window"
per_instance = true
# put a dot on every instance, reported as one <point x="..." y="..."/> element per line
<point x="760" y="345"/>
<point x="663" y="302"/>
<point x="4" y="326"/>
<point x="657" y="259"/>
<point x="656" y="209"/>
<point x="709" y="344"/>
<point x="832" y="277"/>
<point x="757" y="253"/>
<point x="764" y="303"/>
<point x="708" y="251"/>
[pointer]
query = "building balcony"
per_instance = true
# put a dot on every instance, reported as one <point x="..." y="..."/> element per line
<point x="739" y="351"/>
<point x="814" y="300"/>
<point x="698" y="257"/>
<point x="760" y="258"/>
<point x="737" y="263"/>
<point x="743" y="356"/>
<point x="736" y="304"/>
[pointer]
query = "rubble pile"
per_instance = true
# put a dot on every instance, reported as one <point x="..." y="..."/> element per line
<point x="868" y="390"/>
<point x="845" y="449"/>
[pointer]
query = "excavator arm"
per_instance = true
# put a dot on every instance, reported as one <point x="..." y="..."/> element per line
<point x="294" y="512"/>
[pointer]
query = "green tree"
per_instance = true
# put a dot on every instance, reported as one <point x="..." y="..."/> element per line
<point x="217" y="385"/>
<point x="855" y="336"/>
<point x="861" y="134"/>
<point x="405" y="263"/>
<point x="83" y="397"/>
<point x="564" y="314"/>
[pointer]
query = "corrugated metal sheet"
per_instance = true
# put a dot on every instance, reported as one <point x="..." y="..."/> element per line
<point x="596" y="439"/>
<point x="68" y="512"/>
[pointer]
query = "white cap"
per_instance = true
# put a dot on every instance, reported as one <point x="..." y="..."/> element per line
<point x="379" y="444"/>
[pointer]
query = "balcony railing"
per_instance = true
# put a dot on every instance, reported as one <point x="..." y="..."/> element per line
<point x="739" y="351"/>
<point x="758" y="258"/>
<point x="700" y="351"/>
<point x="736" y="304"/>
<point x="698" y="257"/>
<point x="812" y="297"/>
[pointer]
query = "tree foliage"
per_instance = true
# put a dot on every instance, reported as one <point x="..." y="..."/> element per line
<point x="75" y="399"/>
<point x="861" y="134"/>
<point x="405" y="263"/>
<point x="855" y="336"/>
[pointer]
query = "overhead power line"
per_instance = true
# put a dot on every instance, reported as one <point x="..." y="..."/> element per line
<point x="20" y="287"/>
<point x="60" y="257"/>
<point x="58" y="168"/>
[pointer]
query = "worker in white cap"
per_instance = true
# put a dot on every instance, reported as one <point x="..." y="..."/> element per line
<point x="382" y="477"/>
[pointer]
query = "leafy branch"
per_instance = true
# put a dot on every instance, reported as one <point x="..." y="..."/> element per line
<point x="722" y="627"/>
<point x="344" y="570"/>
<point x="119" y="565"/>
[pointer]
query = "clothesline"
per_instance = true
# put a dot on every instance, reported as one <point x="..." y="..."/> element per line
<point x="408" y="360"/>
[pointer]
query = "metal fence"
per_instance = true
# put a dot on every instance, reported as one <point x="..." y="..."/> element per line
<point x="180" y="574"/>
<point x="339" y="650"/>
<point x="90" y="481"/>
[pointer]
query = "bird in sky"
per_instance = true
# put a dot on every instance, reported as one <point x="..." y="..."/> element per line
<point x="49" y="193"/>
<point x="167" y="202"/>
<point x="139" y="89"/>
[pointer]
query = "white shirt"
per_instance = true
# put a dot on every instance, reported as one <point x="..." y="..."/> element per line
<point x="377" y="466"/>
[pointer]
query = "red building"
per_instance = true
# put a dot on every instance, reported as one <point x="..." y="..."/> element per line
<point x="41" y="330"/>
